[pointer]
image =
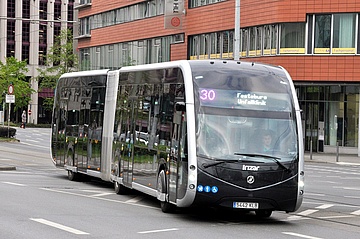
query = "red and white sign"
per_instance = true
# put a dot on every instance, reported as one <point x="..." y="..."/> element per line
<point x="11" y="89"/>
<point x="29" y="112"/>
<point x="174" y="14"/>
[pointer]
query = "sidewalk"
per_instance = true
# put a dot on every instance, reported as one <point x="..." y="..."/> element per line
<point x="349" y="159"/>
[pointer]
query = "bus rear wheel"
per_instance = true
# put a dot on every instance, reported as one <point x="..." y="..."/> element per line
<point x="166" y="207"/>
<point x="119" y="188"/>
<point x="72" y="176"/>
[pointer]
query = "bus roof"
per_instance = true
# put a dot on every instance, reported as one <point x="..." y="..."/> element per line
<point x="85" y="73"/>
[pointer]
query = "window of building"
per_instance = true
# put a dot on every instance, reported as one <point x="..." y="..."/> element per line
<point x="244" y="42"/>
<point x="198" y="3"/>
<point x="26" y="9"/>
<point x="292" y="38"/>
<point x="84" y="26"/>
<point x="11" y="8"/>
<point x="332" y="33"/>
<point x="25" y="49"/>
<point x="25" y="32"/>
<point x="344" y="33"/>
<point x="43" y="10"/>
<point x="57" y="9"/>
<point x="269" y="39"/>
<point x="10" y="31"/>
<point x="255" y="41"/>
<point x="322" y="32"/>
<point x="42" y="54"/>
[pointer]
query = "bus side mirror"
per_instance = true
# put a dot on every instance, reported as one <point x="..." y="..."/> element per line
<point x="180" y="106"/>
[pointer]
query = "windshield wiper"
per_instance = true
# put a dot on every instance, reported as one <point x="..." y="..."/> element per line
<point x="217" y="162"/>
<point x="273" y="158"/>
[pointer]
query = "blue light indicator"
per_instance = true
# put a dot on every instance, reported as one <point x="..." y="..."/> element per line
<point x="214" y="189"/>
<point x="200" y="188"/>
<point x="207" y="189"/>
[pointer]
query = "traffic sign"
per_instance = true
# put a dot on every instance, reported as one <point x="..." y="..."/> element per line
<point x="10" y="99"/>
<point x="11" y="89"/>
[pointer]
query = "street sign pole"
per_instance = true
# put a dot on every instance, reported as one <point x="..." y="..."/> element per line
<point x="9" y="119"/>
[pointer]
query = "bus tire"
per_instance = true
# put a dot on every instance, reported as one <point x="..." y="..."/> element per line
<point x="119" y="188"/>
<point x="263" y="213"/>
<point x="165" y="206"/>
<point x="72" y="176"/>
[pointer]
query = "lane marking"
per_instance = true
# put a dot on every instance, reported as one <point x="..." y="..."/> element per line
<point x="102" y="194"/>
<point x="39" y="146"/>
<point x="357" y="213"/>
<point x="315" y="194"/>
<point x="161" y="230"/>
<point x="333" y="217"/>
<point x="307" y="212"/>
<point x="300" y="235"/>
<point x="325" y="206"/>
<point x="59" y="226"/>
<point x="98" y="198"/>
<point x="347" y="188"/>
<point x="15" y="184"/>
<point x="135" y="199"/>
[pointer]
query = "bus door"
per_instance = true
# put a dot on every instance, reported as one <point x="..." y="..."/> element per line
<point x="128" y="142"/>
<point x="177" y="166"/>
<point x="94" y="129"/>
<point x="84" y="122"/>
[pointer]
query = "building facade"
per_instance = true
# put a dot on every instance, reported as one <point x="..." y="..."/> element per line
<point x="318" y="42"/>
<point x="27" y="32"/>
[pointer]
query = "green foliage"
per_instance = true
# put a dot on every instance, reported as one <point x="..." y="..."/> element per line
<point x="13" y="71"/>
<point x="59" y="60"/>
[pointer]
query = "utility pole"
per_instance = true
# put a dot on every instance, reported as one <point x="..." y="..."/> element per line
<point x="237" y="31"/>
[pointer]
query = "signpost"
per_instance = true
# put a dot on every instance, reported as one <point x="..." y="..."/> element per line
<point x="10" y="98"/>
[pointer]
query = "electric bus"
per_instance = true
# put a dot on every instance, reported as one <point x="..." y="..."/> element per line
<point x="211" y="133"/>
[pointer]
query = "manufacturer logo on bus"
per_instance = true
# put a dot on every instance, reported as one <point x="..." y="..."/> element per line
<point x="250" y="179"/>
<point x="250" y="168"/>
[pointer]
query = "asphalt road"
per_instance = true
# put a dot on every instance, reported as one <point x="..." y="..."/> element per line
<point x="37" y="201"/>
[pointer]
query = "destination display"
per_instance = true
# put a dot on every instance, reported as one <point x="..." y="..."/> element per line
<point x="237" y="99"/>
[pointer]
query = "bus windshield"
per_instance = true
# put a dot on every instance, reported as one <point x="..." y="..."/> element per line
<point x="242" y="115"/>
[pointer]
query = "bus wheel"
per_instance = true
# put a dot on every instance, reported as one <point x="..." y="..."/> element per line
<point x="161" y="191"/>
<point x="119" y="189"/>
<point x="263" y="213"/>
<point x="72" y="176"/>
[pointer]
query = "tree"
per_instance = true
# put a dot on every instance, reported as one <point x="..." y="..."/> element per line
<point x="59" y="60"/>
<point x="13" y="72"/>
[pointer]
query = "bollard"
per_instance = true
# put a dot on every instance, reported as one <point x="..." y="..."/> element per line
<point x="337" y="151"/>
<point x="311" y="149"/>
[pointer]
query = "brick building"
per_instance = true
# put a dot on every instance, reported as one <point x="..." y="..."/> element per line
<point x="316" y="41"/>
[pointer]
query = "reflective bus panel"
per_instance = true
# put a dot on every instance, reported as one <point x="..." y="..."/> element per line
<point x="202" y="132"/>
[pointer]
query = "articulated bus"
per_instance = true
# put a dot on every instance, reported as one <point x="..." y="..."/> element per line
<point x="192" y="132"/>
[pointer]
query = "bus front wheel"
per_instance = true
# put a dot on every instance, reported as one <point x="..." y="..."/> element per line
<point x="162" y="190"/>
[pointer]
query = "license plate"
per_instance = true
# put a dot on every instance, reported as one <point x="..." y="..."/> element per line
<point x="246" y="205"/>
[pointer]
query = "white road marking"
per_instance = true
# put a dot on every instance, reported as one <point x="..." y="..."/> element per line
<point x="357" y="213"/>
<point x="307" y="212"/>
<point x="135" y="199"/>
<point x="101" y="194"/>
<point x="300" y="235"/>
<point x="15" y="184"/>
<point x="99" y="198"/>
<point x="161" y="230"/>
<point x="315" y="194"/>
<point x="325" y="206"/>
<point x="59" y="226"/>
<point x="333" y="217"/>
<point x="347" y="188"/>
